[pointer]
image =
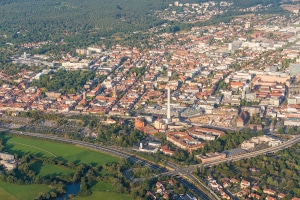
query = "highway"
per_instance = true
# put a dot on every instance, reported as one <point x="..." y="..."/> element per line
<point x="119" y="153"/>
<point x="185" y="172"/>
<point x="284" y="145"/>
<point x="192" y="188"/>
<point x="110" y="150"/>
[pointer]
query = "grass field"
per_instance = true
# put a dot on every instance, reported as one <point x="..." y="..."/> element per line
<point x="47" y="169"/>
<point x="101" y="186"/>
<point x="105" y="195"/>
<point x="29" y="192"/>
<point x="104" y="191"/>
<point x="10" y="191"/>
<point x="69" y="153"/>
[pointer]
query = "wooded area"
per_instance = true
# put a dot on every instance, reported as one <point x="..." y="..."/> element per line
<point x="82" y="23"/>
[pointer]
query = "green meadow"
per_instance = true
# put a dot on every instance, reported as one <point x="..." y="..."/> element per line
<point x="101" y="190"/>
<point x="105" y="195"/>
<point x="10" y="191"/>
<point x="43" y="148"/>
<point x="68" y="153"/>
<point x="47" y="169"/>
<point x="104" y="191"/>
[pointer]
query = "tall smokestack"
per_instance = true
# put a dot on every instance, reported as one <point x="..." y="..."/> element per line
<point x="169" y="106"/>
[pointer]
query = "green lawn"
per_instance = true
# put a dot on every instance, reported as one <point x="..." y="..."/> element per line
<point x="104" y="191"/>
<point x="105" y="195"/>
<point x="47" y="169"/>
<point x="101" y="186"/>
<point x="10" y="191"/>
<point x="70" y="153"/>
<point x="6" y="195"/>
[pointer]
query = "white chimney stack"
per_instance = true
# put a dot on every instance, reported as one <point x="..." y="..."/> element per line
<point x="169" y="106"/>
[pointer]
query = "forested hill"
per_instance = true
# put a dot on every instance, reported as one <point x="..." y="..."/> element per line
<point x="249" y="3"/>
<point x="84" y="20"/>
<point x="45" y="19"/>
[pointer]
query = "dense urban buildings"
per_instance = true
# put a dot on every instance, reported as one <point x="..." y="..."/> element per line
<point x="200" y="85"/>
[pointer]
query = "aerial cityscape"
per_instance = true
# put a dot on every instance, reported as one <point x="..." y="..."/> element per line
<point x="159" y="99"/>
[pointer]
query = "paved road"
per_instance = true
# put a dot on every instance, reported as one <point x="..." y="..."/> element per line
<point x="177" y="170"/>
<point x="192" y="187"/>
<point x="117" y="152"/>
<point x="110" y="150"/>
<point x="284" y="145"/>
<point x="187" y="172"/>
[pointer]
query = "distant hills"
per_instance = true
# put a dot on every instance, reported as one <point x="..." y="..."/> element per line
<point x="41" y="20"/>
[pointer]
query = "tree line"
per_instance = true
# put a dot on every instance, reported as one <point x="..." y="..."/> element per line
<point x="65" y="81"/>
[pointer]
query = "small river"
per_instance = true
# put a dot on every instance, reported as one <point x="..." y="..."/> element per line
<point x="70" y="189"/>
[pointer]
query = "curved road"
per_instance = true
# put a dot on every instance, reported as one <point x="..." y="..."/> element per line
<point x="114" y="151"/>
<point x="282" y="146"/>
<point x="178" y="170"/>
<point x="109" y="150"/>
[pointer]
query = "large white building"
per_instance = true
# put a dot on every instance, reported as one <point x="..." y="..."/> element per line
<point x="8" y="161"/>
